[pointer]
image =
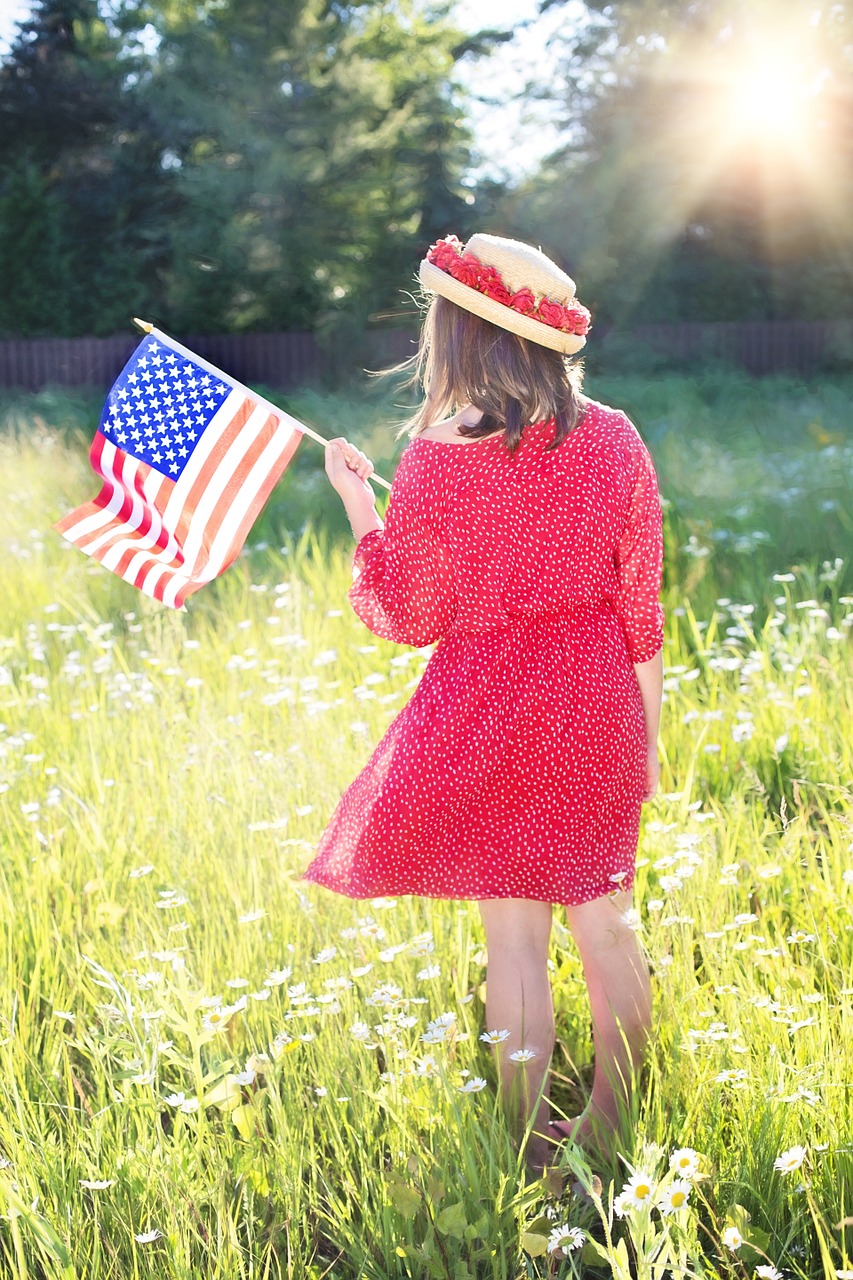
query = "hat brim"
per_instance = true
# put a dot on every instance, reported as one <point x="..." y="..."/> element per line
<point x="437" y="281"/>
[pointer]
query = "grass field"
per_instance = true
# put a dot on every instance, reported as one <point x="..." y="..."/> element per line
<point x="205" y="1070"/>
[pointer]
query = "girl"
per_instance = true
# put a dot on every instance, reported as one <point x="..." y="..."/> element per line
<point x="523" y="537"/>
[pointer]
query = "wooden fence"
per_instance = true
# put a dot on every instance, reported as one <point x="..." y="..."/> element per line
<point x="759" y="347"/>
<point x="275" y="359"/>
<point x="285" y="360"/>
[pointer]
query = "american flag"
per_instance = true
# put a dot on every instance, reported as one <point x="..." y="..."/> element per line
<point x="188" y="458"/>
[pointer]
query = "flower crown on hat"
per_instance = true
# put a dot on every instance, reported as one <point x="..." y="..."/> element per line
<point x="447" y="255"/>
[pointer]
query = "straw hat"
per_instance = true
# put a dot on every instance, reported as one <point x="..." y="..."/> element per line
<point x="510" y="284"/>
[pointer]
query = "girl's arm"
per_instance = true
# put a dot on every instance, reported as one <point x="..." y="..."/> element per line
<point x="650" y="680"/>
<point x="348" y="469"/>
<point x="403" y="583"/>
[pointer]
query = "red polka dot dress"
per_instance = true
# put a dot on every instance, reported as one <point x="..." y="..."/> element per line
<point x="516" y="769"/>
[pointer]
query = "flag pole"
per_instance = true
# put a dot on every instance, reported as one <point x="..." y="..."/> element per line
<point x="147" y="327"/>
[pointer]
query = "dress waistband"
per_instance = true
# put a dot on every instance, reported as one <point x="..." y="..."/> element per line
<point x="530" y="617"/>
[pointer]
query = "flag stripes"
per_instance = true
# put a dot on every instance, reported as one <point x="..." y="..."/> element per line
<point x="170" y="536"/>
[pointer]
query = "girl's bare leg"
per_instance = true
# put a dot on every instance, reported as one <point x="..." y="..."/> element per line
<point x="518" y="1000"/>
<point x="617" y="978"/>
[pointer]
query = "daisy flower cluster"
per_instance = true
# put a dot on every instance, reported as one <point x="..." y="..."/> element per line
<point x="668" y="1195"/>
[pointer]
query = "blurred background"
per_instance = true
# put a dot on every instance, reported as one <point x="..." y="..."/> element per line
<point x="261" y="179"/>
<point x="242" y="166"/>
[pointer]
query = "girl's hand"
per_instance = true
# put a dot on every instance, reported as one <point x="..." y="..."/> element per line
<point x="348" y="468"/>
<point x="652" y="772"/>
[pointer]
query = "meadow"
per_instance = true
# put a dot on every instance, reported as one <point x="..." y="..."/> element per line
<point x="207" y="1068"/>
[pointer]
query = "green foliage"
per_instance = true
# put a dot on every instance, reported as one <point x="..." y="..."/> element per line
<point x="225" y="168"/>
<point x="78" y="178"/>
<point x="671" y="206"/>
<point x="163" y="780"/>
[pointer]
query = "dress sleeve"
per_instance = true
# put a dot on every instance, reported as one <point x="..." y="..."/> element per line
<point x="639" y="565"/>
<point x="403" y="587"/>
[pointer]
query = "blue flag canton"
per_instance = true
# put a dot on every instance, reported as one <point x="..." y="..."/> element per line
<point x="160" y="407"/>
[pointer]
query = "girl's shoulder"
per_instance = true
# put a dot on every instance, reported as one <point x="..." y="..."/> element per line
<point x="613" y="425"/>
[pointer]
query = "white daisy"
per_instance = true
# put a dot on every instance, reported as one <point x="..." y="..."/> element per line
<point x="522" y="1055"/>
<point x="769" y="1272"/>
<point x="474" y="1085"/>
<point x="621" y="1204"/>
<point x="790" y="1160"/>
<point x="685" y="1161"/>
<point x="92" y="1185"/>
<point x="732" y="1238"/>
<point x="148" y="1237"/>
<point x="495" y="1037"/>
<point x="566" y="1237"/>
<point x="434" y="1034"/>
<point x="638" y="1190"/>
<point x="674" y="1197"/>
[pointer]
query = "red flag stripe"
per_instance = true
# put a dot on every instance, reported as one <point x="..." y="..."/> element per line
<point x="269" y="466"/>
<point x="221" y="493"/>
<point x="155" y="536"/>
<point x="137" y="520"/>
<point x="91" y="514"/>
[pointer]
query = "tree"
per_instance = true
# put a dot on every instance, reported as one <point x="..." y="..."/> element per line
<point x="238" y="166"/>
<point x="683" y="194"/>
<point x="76" y="172"/>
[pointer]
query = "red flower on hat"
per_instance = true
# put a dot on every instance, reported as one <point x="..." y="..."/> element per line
<point x="552" y="313"/>
<point x="580" y="320"/>
<point x="466" y="269"/>
<point x="444" y="252"/>
<point x="490" y="277"/>
<point x="524" y="301"/>
<point x="498" y="292"/>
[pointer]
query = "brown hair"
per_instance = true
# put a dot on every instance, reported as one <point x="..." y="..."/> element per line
<point x="463" y="359"/>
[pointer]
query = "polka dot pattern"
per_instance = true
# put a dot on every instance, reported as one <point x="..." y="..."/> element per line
<point x="516" y="769"/>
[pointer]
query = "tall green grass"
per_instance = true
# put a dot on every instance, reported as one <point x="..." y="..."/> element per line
<point x="207" y="1069"/>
